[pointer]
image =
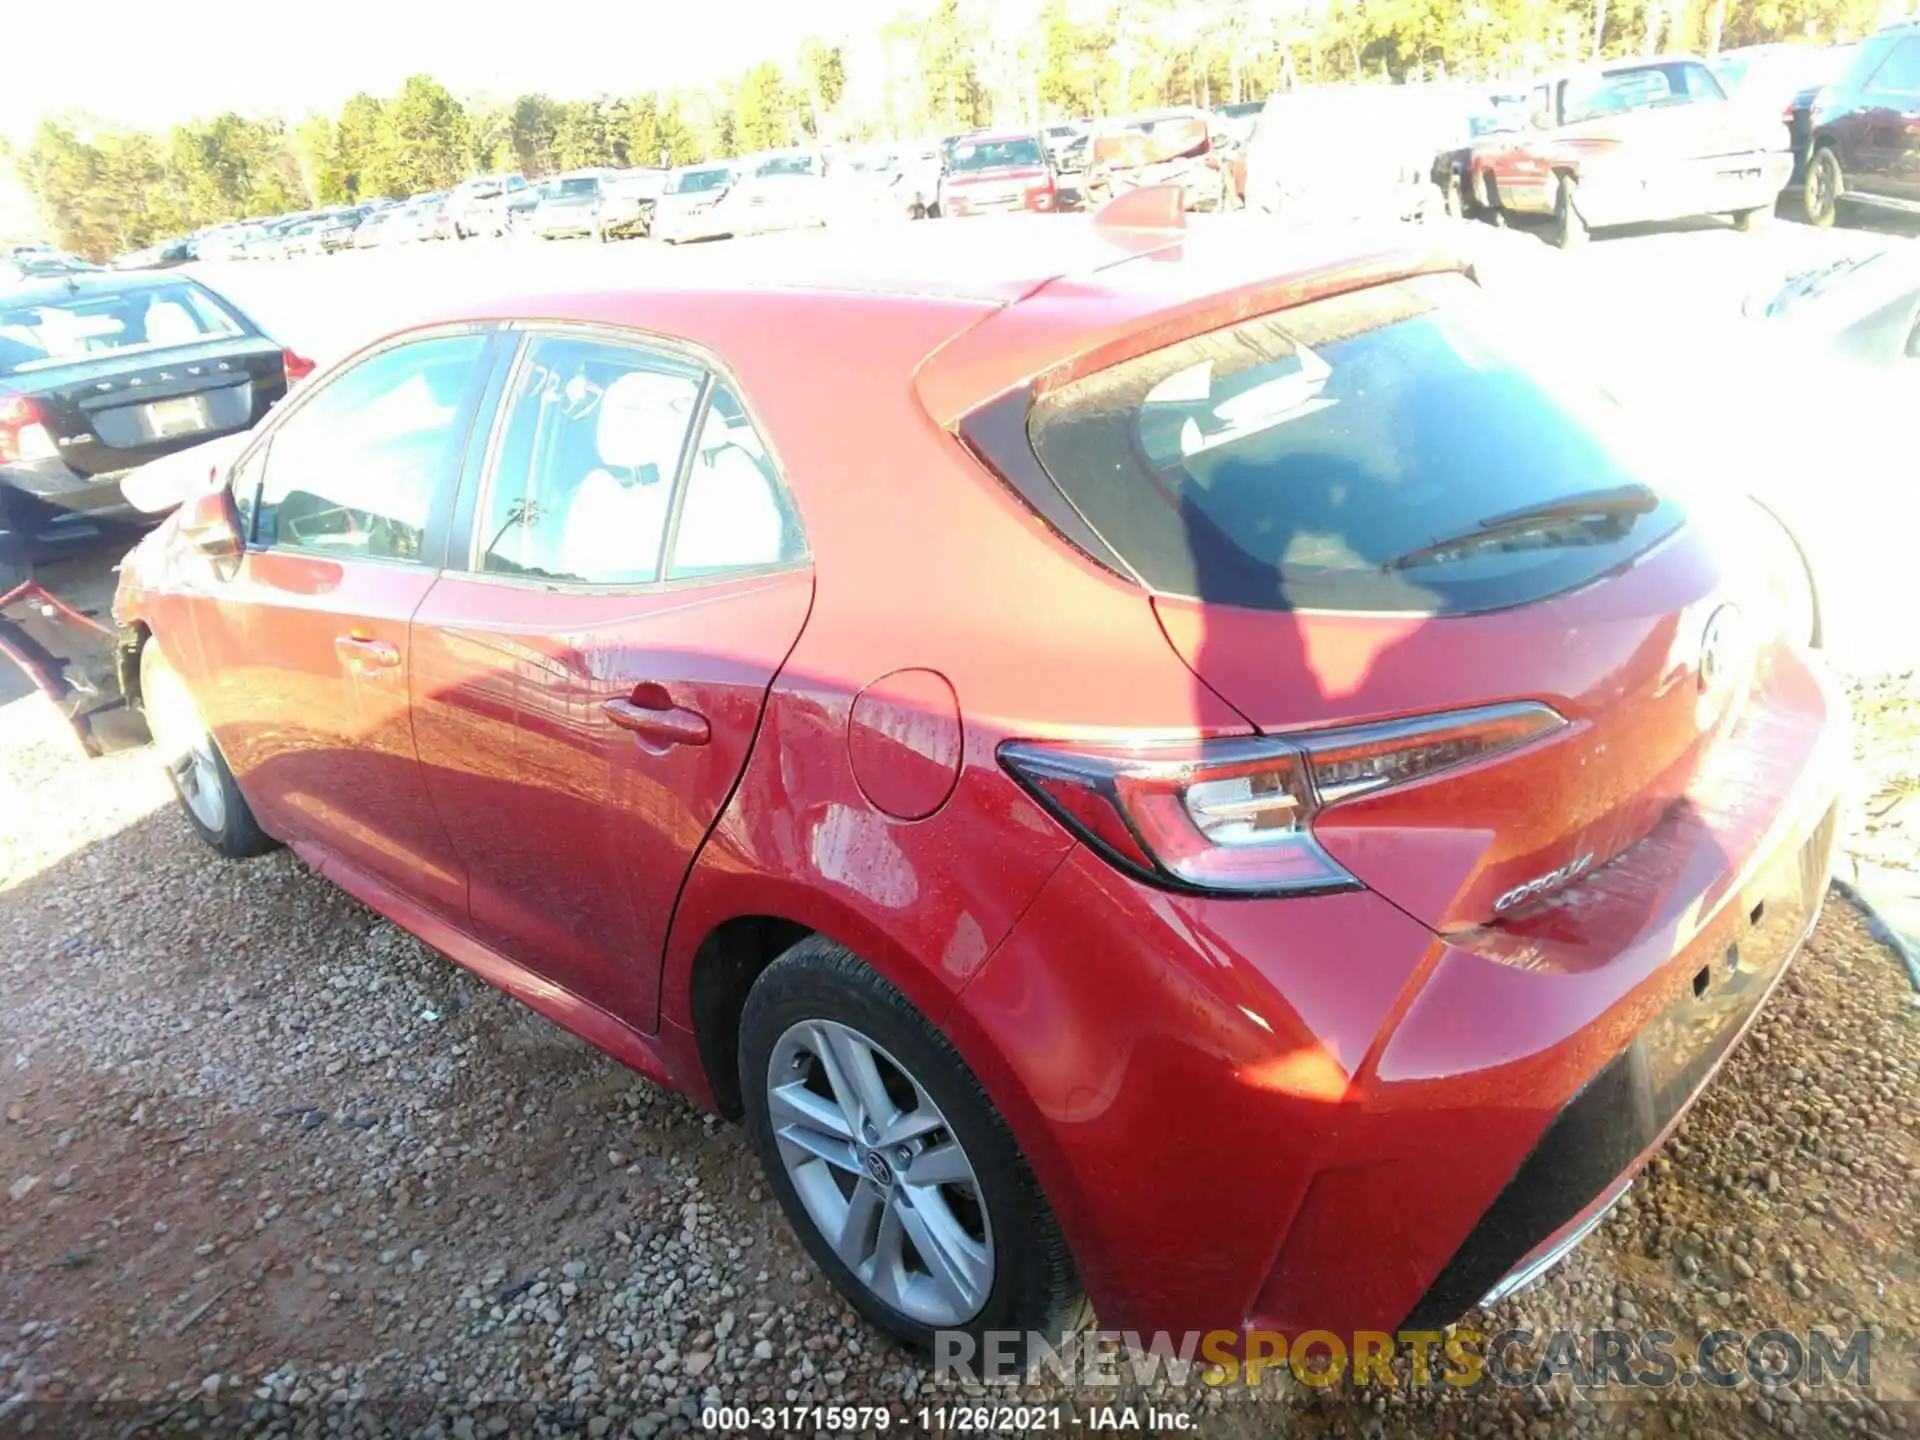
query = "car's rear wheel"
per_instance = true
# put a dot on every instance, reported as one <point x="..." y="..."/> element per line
<point x="209" y="797"/>
<point x="1569" y="226"/>
<point x="1748" y="221"/>
<point x="903" y="1181"/>
<point x="1820" y="191"/>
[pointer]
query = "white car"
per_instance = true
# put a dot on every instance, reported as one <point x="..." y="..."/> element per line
<point x="685" y="210"/>
<point x="772" y="190"/>
<point x="884" y="181"/>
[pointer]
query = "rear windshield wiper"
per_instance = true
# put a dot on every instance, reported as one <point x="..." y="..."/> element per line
<point x="1624" y="504"/>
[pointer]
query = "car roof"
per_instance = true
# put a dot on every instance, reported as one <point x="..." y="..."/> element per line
<point x="1066" y="286"/>
<point x="1646" y="62"/>
<point x="89" y="282"/>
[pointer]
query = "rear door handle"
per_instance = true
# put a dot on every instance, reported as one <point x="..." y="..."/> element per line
<point x="651" y="715"/>
<point x="367" y="653"/>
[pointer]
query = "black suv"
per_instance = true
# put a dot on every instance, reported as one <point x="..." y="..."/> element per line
<point x="1866" y="130"/>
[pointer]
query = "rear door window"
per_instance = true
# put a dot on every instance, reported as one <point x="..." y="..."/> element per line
<point x="1401" y="448"/>
<point x="622" y="465"/>
<point x="583" y="486"/>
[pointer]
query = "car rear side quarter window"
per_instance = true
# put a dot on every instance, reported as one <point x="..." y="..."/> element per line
<point x="1400" y="448"/>
<point x="735" y="513"/>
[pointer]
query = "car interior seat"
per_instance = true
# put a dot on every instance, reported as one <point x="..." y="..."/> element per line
<point x="617" y="518"/>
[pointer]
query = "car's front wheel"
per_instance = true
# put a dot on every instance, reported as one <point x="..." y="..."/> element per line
<point x="903" y="1181"/>
<point x="208" y="795"/>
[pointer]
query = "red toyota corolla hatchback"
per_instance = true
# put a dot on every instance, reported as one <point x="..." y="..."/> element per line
<point x="1190" y="770"/>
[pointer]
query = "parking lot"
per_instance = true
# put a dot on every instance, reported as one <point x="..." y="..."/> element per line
<point x="263" y="1148"/>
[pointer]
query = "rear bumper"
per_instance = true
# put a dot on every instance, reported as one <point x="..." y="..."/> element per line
<point x="1317" y="1114"/>
<point x="1585" y="1158"/>
<point x="59" y="485"/>
<point x="1702" y="187"/>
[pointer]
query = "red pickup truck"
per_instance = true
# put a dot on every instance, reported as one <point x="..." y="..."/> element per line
<point x="1630" y="142"/>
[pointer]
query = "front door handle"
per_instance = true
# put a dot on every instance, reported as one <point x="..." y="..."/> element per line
<point x="367" y="653"/>
<point x="649" y="714"/>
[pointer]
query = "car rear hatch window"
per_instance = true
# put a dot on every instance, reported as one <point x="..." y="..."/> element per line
<point x="1396" y="449"/>
<point x="44" y="332"/>
<point x="972" y="155"/>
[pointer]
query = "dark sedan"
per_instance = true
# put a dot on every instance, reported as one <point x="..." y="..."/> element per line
<point x="100" y="373"/>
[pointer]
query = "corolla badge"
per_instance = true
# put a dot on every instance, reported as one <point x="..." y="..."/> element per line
<point x="1541" y="884"/>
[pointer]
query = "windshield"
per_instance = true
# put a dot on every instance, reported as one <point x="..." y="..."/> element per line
<point x="1290" y="461"/>
<point x="578" y="185"/>
<point x="1676" y="82"/>
<point x="992" y="154"/>
<point x="688" y="181"/>
<point x="45" y="332"/>
<point x="787" y="165"/>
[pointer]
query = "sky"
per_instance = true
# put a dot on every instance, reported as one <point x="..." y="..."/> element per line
<point x="136" y="63"/>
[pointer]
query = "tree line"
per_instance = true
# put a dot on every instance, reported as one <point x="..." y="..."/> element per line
<point x="103" y="190"/>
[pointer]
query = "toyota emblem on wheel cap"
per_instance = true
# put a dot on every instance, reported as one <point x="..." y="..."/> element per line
<point x="878" y="1168"/>
<point x="1720" y="647"/>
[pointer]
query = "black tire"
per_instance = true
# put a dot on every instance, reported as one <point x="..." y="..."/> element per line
<point x="1820" y="191"/>
<point x="1455" y="196"/>
<point x="1035" y="1288"/>
<point x="237" y="835"/>
<point x="1569" y="229"/>
<point x="1749" y="222"/>
<point x="22" y="516"/>
<point x="1487" y="200"/>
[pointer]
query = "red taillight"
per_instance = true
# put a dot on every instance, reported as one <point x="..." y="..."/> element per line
<point x="1235" y="816"/>
<point x="17" y="412"/>
<point x="298" y="367"/>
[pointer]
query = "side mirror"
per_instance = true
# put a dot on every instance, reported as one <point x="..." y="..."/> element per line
<point x="208" y="524"/>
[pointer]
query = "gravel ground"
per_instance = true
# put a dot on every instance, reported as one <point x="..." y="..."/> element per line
<point x="262" y="1148"/>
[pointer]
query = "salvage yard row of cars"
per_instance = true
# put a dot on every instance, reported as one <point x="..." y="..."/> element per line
<point x="1631" y="141"/>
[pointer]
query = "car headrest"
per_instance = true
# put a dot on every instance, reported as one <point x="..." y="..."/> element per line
<point x="643" y="417"/>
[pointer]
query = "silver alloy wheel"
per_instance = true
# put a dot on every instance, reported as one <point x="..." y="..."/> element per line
<point x="186" y="749"/>
<point x="880" y="1172"/>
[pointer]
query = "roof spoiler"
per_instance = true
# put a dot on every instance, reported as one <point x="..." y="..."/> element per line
<point x="1151" y="207"/>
